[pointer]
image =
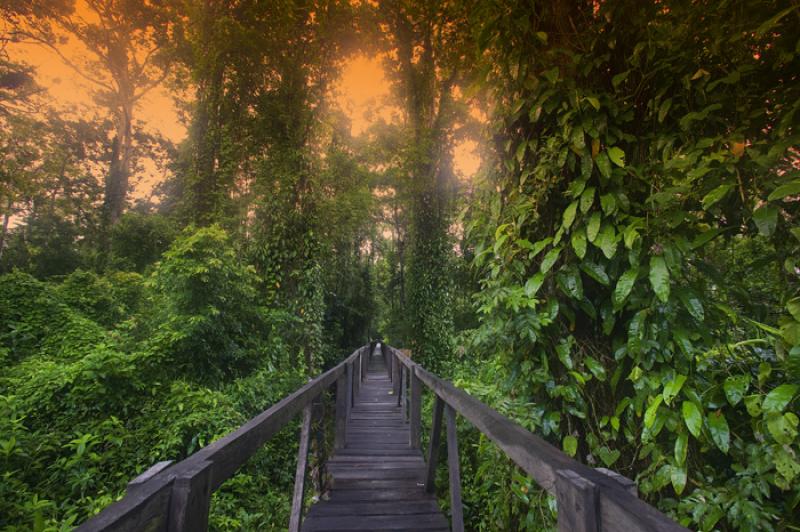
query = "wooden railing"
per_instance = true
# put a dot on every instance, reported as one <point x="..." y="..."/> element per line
<point x="589" y="500"/>
<point x="176" y="497"/>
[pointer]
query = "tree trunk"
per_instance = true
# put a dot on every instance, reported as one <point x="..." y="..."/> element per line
<point x="6" y="220"/>
<point x="118" y="177"/>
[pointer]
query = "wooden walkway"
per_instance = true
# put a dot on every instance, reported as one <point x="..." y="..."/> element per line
<point x="377" y="479"/>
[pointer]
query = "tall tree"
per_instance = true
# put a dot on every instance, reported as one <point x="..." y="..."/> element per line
<point x="123" y="39"/>
<point x="427" y="41"/>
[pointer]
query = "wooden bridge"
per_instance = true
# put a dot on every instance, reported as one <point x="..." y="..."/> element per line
<point x="378" y="478"/>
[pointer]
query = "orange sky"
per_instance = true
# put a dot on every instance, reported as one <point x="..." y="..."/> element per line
<point x="362" y="93"/>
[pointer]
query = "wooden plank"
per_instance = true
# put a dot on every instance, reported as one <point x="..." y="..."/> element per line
<point x="341" y="412"/>
<point x="374" y="508"/>
<point x="377" y="522"/>
<point x="413" y="494"/>
<point x="395" y="376"/>
<point x="434" y="445"/>
<point x="300" y="472"/>
<point x="404" y="393"/>
<point x="191" y="499"/>
<point x="626" y="483"/>
<point x="415" y="411"/>
<point x="577" y="503"/>
<point x="454" y="470"/>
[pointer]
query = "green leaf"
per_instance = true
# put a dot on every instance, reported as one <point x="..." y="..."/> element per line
<point x="607" y="455"/>
<point x="783" y="427"/>
<point x="596" y="272"/>
<point x="594" y="101"/>
<point x="617" y="156"/>
<point x="715" y="195"/>
<point x="551" y="75"/>
<point x="692" y="304"/>
<point x="793" y="307"/>
<point x="735" y="387"/>
<point x="753" y="405"/>
<point x="619" y="78"/>
<point x="789" y="189"/>
<point x="570" y="283"/>
<point x="692" y="417"/>
<point x="624" y="286"/>
<point x="659" y="277"/>
<point x="549" y="259"/>
<point x="521" y="150"/>
<point x="533" y="284"/>
<point x="720" y="432"/>
<point x="681" y="448"/>
<point x="766" y="219"/>
<point x="673" y="388"/>
<point x="579" y="243"/>
<point x="664" y="109"/>
<point x="608" y="203"/>
<point x="778" y="398"/>
<point x="596" y="368"/>
<point x="570" y="445"/>
<point x="786" y="465"/>
<point x="652" y="410"/>
<point x="603" y="164"/>
<point x="678" y="478"/>
<point x="587" y="199"/>
<point x="607" y="241"/>
<point x="569" y="215"/>
<point x="593" y="226"/>
<point x="563" y="352"/>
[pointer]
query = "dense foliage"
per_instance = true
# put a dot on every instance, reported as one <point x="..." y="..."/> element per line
<point x="644" y="197"/>
<point x="622" y="278"/>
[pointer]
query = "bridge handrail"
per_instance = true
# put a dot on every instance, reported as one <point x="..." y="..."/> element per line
<point x="176" y="497"/>
<point x="588" y="499"/>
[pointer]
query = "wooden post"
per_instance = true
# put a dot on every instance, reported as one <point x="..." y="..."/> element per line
<point x="350" y="397"/>
<point x="626" y="483"/>
<point x="191" y="499"/>
<point x="577" y="502"/>
<point x="395" y="376"/>
<point x="341" y="412"/>
<point x="300" y="473"/>
<point x="415" y="413"/>
<point x="357" y="376"/>
<point x="364" y="365"/>
<point x="403" y="392"/>
<point x="454" y="469"/>
<point x="433" y="446"/>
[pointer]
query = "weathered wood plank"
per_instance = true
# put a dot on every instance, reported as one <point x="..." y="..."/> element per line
<point x="454" y="471"/>
<point x="148" y="474"/>
<point x="433" y="446"/>
<point x="577" y="503"/>
<point x="341" y="412"/>
<point x="300" y="472"/>
<point x="377" y="522"/>
<point x="415" y="411"/>
<point x="375" y="508"/>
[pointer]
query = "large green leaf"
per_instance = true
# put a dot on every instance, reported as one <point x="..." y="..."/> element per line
<point x="603" y="164"/>
<point x="596" y="368"/>
<point x="673" y="388"/>
<point x="587" y="199"/>
<point x="659" y="277"/>
<point x="607" y="240"/>
<point x="692" y="417"/>
<point x="783" y="427"/>
<point x="735" y="387"/>
<point x="766" y="219"/>
<point x="678" y="478"/>
<point x="569" y="214"/>
<point x="596" y="272"/>
<point x="652" y="410"/>
<point x="715" y="195"/>
<point x="617" y="156"/>
<point x="549" y="259"/>
<point x="720" y="432"/>
<point x="681" y="448"/>
<point x="570" y="445"/>
<point x="624" y="286"/>
<point x="579" y="243"/>
<point x="789" y="189"/>
<point x="778" y="398"/>
<point x="593" y="226"/>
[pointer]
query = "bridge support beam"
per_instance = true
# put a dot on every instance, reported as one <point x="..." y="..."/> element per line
<point x="433" y="447"/>
<point x="415" y="410"/>
<point x="577" y="502"/>
<point x="454" y="469"/>
<point x="300" y="472"/>
<point x="341" y="412"/>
